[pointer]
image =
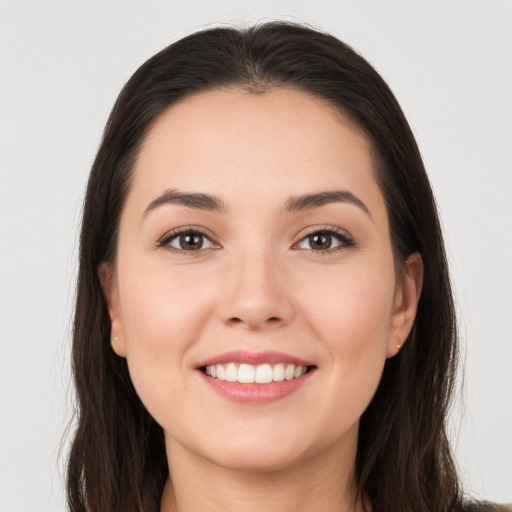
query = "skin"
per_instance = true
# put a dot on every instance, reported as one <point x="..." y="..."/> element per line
<point x="257" y="284"/>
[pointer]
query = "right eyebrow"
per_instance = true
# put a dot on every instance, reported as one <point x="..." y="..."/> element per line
<point x="192" y="200"/>
<point x="310" y="201"/>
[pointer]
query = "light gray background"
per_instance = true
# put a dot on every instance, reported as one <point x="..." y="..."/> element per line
<point x="61" y="67"/>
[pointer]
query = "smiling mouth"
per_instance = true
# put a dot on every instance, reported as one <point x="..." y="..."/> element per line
<point x="256" y="374"/>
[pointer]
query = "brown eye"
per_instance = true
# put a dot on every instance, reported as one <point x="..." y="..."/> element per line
<point x="325" y="240"/>
<point x="191" y="241"/>
<point x="320" y="241"/>
<point x="188" y="241"/>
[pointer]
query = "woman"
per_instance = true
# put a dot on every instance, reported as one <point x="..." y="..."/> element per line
<point x="264" y="317"/>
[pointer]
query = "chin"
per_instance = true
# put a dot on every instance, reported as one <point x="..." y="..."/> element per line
<point x="263" y="453"/>
<point x="257" y="460"/>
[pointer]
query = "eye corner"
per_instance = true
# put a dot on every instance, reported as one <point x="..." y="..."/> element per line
<point x="206" y="241"/>
<point x="337" y="239"/>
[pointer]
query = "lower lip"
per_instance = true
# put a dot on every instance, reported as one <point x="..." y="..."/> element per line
<point x="256" y="393"/>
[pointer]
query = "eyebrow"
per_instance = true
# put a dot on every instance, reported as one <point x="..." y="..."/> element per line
<point x="310" y="201"/>
<point x="190" y="199"/>
<point x="294" y="204"/>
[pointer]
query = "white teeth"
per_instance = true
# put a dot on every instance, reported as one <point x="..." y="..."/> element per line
<point x="246" y="374"/>
<point x="231" y="373"/>
<point x="289" y="372"/>
<point x="221" y="372"/>
<point x="278" y="373"/>
<point x="299" y="371"/>
<point x="261" y="374"/>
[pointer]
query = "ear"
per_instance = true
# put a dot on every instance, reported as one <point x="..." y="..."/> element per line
<point x="407" y="296"/>
<point x="108" y="283"/>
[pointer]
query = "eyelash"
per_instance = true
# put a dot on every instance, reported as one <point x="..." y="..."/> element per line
<point x="346" y="241"/>
<point x="165" y="241"/>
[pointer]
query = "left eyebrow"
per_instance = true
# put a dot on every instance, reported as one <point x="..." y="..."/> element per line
<point x="189" y="199"/>
<point x="310" y="201"/>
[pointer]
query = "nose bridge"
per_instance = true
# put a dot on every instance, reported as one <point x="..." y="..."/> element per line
<point x="256" y="294"/>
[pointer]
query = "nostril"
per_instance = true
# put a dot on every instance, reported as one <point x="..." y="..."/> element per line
<point x="254" y="321"/>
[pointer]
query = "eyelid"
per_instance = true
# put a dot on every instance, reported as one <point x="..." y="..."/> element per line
<point x="163" y="241"/>
<point x="342" y="235"/>
<point x="345" y="238"/>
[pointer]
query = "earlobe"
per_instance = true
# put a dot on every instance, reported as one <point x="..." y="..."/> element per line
<point x="109" y="288"/>
<point x="407" y="297"/>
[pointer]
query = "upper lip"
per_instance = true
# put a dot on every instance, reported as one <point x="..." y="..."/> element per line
<point x="254" y="358"/>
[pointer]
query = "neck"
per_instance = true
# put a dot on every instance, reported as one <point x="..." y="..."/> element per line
<point x="325" y="482"/>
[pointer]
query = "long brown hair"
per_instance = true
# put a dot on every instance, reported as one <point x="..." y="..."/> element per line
<point x="404" y="463"/>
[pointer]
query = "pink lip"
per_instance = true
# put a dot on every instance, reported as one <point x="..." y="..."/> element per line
<point x="256" y="393"/>
<point x="254" y="358"/>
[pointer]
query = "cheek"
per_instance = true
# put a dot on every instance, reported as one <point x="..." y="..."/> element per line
<point x="351" y="309"/>
<point x="351" y="313"/>
<point x="162" y="309"/>
<point x="163" y="317"/>
<point x="355" y="346"/>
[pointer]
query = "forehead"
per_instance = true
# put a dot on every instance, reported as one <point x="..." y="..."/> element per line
<point x="235" y="144"/>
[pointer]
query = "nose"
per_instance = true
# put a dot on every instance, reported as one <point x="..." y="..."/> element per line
<point x="257" y="295"/>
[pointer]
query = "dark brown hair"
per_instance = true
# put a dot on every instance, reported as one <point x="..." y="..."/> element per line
<point x="404" y="463"/>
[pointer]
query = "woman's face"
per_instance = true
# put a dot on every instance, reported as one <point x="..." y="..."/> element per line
<point x="254" y="246"/>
